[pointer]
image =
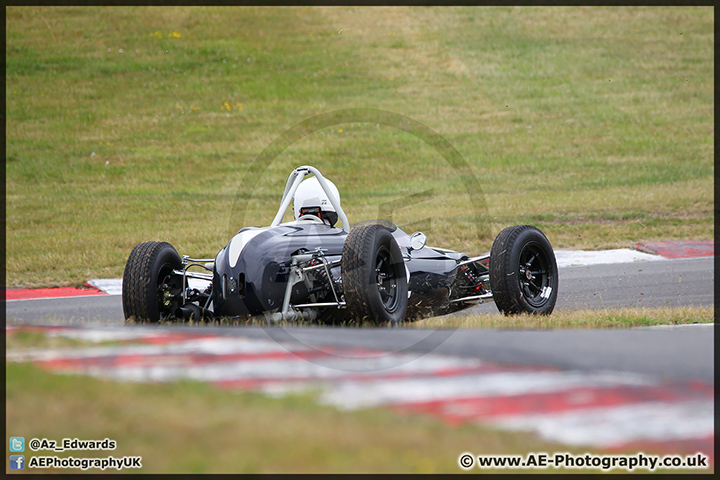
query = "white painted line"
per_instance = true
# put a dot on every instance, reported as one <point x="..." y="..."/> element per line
<point x="52" y="298"/>
<point x="212" y="346"/>
<point x="351" y="395"/>
<point x="98" y="336"/>
<point x="113" y="286"/>
<point x="569" y="258"/>
<point x="682" y="325"/>
<point x="305" y="370"/>
<point x="607" y="427"/>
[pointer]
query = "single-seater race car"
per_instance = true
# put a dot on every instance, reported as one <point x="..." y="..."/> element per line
<point x="308" y="269"/>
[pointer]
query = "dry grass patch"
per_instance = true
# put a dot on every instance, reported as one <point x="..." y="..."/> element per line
<point x="565" y="319"/>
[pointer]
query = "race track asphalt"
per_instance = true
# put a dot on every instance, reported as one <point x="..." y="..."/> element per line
<point x="682" y="352"/>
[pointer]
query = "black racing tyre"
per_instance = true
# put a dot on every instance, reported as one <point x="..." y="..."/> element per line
<point x="523" y="271"/>
<point x="150" y="291"/>
<point x="374" y="276"/>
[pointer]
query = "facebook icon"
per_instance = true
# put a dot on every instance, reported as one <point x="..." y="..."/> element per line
<point x="17" y="462"/>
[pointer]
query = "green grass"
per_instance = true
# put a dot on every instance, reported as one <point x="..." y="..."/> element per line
<point x="581" y="319"/>
<point x="34" y="339"/>
<point x="594" y="123"/>
<point x="565" y="319"/>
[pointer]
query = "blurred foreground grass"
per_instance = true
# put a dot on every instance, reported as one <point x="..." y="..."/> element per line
<point x="201" y="429"/>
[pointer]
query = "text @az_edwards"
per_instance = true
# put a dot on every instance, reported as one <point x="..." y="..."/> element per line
<point x="65" y="444"/>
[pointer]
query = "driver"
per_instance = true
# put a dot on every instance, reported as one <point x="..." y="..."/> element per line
<point x="310" y="199"/>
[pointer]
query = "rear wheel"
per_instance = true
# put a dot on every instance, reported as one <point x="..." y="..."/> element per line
<point x="151" y="292"/>
<point x="373" y="275"/>
<point x="523" y="271"/>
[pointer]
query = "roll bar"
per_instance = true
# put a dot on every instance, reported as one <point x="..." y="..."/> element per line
<point x="293" y="183"/>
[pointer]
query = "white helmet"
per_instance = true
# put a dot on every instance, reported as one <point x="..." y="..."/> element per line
<point x="310" y="199"/>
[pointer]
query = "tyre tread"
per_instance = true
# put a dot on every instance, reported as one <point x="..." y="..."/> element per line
<point x="501" y="266"/>
<point x="137" y="288"/>
<point x="353" y="261"/>
<point x="359" y="249"/>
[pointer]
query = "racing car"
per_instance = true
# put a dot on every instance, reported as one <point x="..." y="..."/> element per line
<point x="310" y="269"/>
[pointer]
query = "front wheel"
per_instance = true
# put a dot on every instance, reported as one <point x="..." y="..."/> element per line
<point x="150" y="290"/>
<point x="373" y="275"/>
<point x="523" y="271"/>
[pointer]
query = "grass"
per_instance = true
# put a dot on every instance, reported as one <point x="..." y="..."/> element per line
<point x="25" y="339"/>
<point x="124" y="125"/>
<point x="581" y="319"/>
<point x="566" y="319"/>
